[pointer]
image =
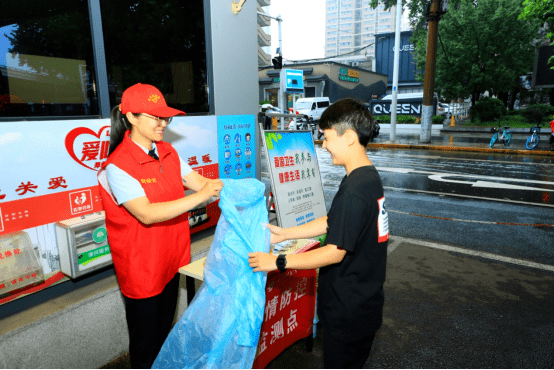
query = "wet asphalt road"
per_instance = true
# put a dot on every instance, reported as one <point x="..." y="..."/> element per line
<point x="447" y="308"/>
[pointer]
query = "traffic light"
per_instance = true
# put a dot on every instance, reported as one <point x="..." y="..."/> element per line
<point x="277" y="62"/>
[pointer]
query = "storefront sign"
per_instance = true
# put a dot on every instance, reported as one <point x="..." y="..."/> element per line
<point x="350" y="75"/>
<point x="295" y="177"/>
<point x="410" y="107"/>
<point x="236" y="138"/>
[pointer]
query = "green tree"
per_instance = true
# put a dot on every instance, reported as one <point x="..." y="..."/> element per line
<point x="482" y="47"/>
<point x="543" y="10"/>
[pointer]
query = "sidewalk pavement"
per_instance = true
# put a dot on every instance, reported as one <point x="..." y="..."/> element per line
<point x="458" y="139"/>
<point x="449" y="307"/>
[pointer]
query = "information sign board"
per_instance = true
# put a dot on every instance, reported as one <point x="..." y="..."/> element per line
<point x="295" y="177"/>
<point x="292" y="81"/>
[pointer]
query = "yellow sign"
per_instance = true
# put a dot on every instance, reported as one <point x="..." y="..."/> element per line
<point x="354" y="74"/>
<point x="237" y="7"/>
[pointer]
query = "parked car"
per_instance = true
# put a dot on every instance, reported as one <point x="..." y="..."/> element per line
<point x="442" y="109"/>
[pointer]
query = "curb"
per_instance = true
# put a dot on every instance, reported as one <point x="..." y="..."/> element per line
<point x="455" y="148"/>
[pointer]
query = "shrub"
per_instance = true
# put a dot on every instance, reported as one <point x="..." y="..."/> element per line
<point x="399" y="119"/>
<point x="546" y="110"/>
<point x="533" y="114"/>
<point x="437" y="120"/>
<point x="487" y="109"/>
<point x="515" y="112"/>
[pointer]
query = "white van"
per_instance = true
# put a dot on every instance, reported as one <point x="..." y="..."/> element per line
<point x="312" y="107"/>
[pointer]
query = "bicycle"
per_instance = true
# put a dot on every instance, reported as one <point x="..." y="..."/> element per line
<point x="506" y="136"/>
<point x="533" y="140"/>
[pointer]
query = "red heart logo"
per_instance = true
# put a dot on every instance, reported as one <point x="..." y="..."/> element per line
<point x="72" y="135"/>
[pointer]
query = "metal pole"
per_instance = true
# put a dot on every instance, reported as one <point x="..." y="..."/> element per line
<point x="395" y="71"/>
<point x="282" y="91"/>
<point x="429" y="82"/>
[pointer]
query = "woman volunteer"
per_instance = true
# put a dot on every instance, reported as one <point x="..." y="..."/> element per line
<point x="141" y="184"/>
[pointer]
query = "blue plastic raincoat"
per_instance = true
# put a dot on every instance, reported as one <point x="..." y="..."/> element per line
<point x="221" y="327"/>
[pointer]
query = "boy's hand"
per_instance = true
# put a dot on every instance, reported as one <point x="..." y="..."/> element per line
<point x="277" y="234"/>
<point x="262" y="261"/>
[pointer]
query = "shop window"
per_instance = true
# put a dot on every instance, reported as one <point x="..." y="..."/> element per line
<point x="160" y="43"/>
<point x="309" y="92"/>
<point x="46" y="59"/>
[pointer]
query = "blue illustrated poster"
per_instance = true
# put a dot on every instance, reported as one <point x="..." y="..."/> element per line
<point x="236" y="141"/>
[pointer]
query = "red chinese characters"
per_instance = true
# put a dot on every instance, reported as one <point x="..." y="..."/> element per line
<point x="289" y="176"/>
<point x="24" y="188"/>
<point x="283" y="161"/>
<point x="56" y="182"/>
<point x="95" y="150"/>
<point x="206" y="158"/>
<point x="193" y="161"/>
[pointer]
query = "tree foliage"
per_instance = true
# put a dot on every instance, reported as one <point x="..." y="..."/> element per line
<point x="415" y="9"/>
<point x="543" y="10"/>
<point x="481" y="47"/>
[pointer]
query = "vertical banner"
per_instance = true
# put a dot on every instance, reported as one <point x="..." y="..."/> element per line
<point x="289" y="308"/>
<point x="236" y="139"/>
<point x="295" y="177"/>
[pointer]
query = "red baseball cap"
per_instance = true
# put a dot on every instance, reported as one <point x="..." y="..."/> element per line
<point x="143" y="98"/>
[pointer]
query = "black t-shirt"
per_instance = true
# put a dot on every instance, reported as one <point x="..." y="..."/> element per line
<point x="351" y="293"/>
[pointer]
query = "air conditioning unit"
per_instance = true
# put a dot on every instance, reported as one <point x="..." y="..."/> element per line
<point x="355" y="64"/>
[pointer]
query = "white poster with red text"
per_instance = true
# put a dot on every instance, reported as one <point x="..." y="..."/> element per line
<point x="48" y="168"/>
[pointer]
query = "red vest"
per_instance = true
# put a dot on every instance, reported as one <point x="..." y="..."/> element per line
<point x="147" y="257"/>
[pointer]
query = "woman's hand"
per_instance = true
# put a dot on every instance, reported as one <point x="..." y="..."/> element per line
<point x="211" y="188"/>
<point x="278" y="234"/>
<point x="260" y="261"/>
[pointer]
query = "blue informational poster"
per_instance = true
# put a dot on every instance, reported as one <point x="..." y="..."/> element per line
<point x="236" y="139"/>
<point x="295" y="177"/>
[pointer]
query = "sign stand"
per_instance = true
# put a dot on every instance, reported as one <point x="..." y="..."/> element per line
<point x="295" y="178"/>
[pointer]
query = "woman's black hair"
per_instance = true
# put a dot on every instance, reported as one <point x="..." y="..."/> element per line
<point x="120" y="124"/>
<point x="348" y="114"/>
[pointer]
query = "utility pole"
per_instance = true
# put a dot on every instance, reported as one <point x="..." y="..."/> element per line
<point x="281" y="97"/>
<point x="433" y="15"/>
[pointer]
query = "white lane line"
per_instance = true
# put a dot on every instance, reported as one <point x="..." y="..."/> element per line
<point x="491" y="256"/>
<point x="393" y="243"/>
<point x="471" y="197"/>
<point x="473" y="221"/>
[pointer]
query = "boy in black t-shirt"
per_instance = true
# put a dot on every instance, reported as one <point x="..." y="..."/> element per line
<point x="353" y="259"/>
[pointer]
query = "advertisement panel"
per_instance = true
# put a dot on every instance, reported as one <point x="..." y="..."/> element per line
<point x="48" y="175"/>
<point x="295" y="177"/>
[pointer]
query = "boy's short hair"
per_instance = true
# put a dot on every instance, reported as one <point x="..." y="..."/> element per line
<point x="348" y="114"/>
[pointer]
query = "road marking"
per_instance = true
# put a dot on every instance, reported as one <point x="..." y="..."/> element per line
<point x="473" y="221"/>
<point x="470" y="197"/>
<point x="469" y="159"/>
<point x="445" y="177"/>
<point x="491" y="256"/>
<point x="393" y="243"/>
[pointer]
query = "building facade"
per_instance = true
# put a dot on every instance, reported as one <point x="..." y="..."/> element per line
<point x="351" y="24"/>
<point x="264" y="33"/>
<point x="384" y="62"/>
<point x="329" y="79"/>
